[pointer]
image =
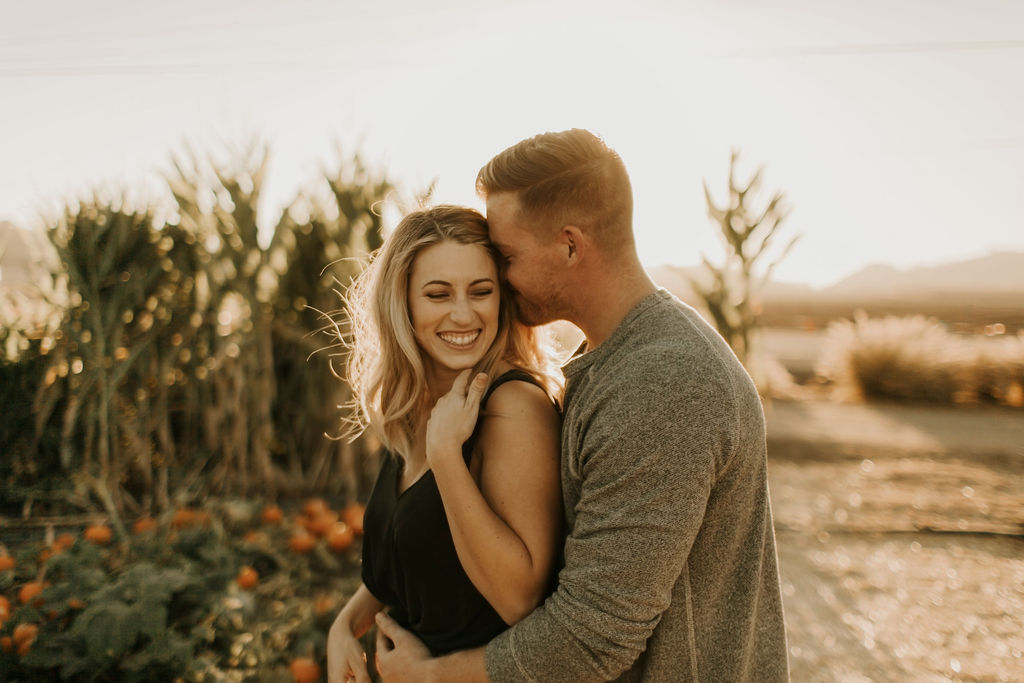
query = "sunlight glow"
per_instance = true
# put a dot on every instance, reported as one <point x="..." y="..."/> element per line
<point x="891" y="130"/>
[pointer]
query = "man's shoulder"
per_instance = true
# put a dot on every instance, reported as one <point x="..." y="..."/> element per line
<point x="671" y="338"/>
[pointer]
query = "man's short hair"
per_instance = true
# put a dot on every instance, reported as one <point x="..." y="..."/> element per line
<point x="566" y="177"/>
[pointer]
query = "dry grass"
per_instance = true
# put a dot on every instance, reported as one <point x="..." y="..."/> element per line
<point x="916" y="359"/>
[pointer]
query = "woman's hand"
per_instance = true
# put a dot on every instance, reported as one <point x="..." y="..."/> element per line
<point x="454" y="416"/>
<point x="346" y="659"/>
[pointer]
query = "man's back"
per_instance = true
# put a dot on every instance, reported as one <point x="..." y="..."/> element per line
<point x="670" y="564"/>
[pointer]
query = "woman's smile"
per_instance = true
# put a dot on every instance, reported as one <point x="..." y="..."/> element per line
<point x="460" y="340"/>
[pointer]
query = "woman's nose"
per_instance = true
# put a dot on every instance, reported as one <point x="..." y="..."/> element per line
<point x="462" y="311"/>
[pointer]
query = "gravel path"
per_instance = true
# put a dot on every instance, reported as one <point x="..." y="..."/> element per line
<point x="902" y="554"/>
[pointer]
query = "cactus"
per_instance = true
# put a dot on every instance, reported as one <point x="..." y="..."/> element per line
<point x="731" y="297"/>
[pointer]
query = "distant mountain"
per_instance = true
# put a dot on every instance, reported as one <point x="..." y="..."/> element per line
<point x="676" y="279"/>
<point x="1001" y="272"/>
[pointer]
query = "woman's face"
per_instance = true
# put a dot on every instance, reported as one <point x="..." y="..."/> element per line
<point x="454" y="302"/>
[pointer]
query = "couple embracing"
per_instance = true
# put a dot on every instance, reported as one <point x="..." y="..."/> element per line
<point x="611" y="526"/>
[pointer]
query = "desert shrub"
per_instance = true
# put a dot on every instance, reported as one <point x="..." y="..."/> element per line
<point x="904" y="359"/>
<point x="997" y="371"/>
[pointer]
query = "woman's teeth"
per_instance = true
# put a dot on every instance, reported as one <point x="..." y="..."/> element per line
<point x="462" y="339"/>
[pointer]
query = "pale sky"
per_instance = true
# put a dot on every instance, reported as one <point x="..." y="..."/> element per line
<point x="894" y="127"/>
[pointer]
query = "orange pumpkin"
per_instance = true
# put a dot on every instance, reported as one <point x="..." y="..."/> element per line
<point x="63" y="542"/>
<point x="29" y="591"/>
<point x="323" y="604"/>
<point x="272" y="514"/>
<point x="315" y="506"/>
<point x="6" y="562"/>
<point x="248" y="578"/>
<point x="302" y="542"/>
<point x="320" y="524"/>
<point x="353" y="516"/>
<point x="144" y="525"/>
<point x="340" y="537"/>
<point x="183" y="517"/>
<point x="252" y="536"/>
<point x="25" y="633"/>
<point x="304" y="670"/>
<point x="99" y="534"/>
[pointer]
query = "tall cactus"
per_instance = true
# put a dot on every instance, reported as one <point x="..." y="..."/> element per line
<point x="747" y="234"/>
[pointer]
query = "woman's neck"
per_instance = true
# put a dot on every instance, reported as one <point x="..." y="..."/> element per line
<point x="439" y="383"/>
<point x="440" y="380"/>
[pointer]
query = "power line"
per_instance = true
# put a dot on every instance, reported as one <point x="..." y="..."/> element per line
<point x="169" y="69"/>
<point x="856" y="49"/>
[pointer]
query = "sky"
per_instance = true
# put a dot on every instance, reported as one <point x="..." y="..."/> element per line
<point x="892" y="127"/>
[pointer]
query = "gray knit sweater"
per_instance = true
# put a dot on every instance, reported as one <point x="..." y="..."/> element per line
<point x="670" y="565"/>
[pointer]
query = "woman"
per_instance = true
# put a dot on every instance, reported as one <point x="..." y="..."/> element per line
<point x="463" y="527"/>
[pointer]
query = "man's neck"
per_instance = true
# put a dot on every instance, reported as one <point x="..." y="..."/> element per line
<point x="609" y="300"/>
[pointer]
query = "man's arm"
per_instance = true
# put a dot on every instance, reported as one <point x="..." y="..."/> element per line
<point x="647" y="461"/>
<point x="401" y="657"/>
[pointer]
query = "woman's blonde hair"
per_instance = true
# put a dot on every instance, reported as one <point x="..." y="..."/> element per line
<point x="385" y="369"/>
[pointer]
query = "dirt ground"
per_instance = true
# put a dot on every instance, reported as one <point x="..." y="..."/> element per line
<point x="900" y="563"/>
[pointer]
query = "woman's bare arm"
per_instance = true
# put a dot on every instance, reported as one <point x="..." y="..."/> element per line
<point x="507" y="529"/>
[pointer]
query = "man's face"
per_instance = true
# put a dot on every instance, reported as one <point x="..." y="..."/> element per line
<point x="533" y="267"/>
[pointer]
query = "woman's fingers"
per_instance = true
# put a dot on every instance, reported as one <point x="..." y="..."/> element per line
<point x="476" y="391"/>
<point x="454" y="416"/>
<point x="459" y="385"/>
<point x="351" y="669"/>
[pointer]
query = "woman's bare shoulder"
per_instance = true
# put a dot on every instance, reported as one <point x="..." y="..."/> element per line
<point x="519" y="396"/>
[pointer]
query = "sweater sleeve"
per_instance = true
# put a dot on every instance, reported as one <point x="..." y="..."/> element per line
<point x="647" y="457"/>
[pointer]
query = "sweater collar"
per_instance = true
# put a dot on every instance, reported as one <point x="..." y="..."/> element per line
<point x="583" y="359"/>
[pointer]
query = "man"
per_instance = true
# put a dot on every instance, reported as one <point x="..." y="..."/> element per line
<point x="670" y="566"/>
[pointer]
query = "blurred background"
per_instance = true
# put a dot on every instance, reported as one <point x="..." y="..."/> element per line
<point x="184" y="190"/>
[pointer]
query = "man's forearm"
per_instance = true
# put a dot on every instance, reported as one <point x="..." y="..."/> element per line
<point x="464" y="666"/>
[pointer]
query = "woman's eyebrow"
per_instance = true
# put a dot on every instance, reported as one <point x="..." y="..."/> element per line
<point x="445" y="283"/>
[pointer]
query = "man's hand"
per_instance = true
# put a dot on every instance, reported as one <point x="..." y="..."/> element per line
<point x="400" y="654"/>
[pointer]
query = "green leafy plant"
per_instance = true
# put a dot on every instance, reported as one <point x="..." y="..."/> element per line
<point x="171" y="603"/>
<point x="185" y="363"/>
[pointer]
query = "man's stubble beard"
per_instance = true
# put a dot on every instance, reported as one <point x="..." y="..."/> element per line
<point x="533" y="315"/>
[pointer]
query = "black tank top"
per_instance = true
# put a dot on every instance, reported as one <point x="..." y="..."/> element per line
<point x="409" y="558"/>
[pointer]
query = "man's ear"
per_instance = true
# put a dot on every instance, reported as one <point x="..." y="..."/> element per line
<point x="574" y="243"/>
